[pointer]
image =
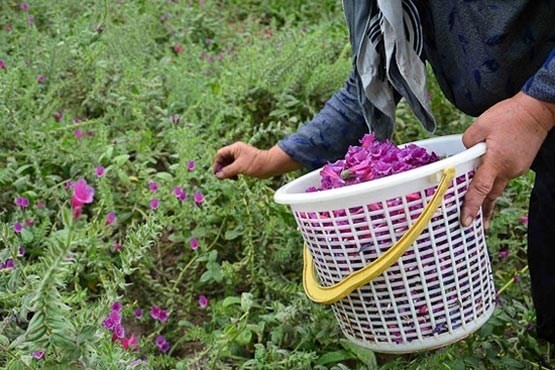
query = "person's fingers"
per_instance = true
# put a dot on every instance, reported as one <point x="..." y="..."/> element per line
<point x="230" y="171"/>
<point x="224" y="156"/>
<point x="473" y="135"/>
<point x="479" y="188"/>
<point x="489" y="203"/>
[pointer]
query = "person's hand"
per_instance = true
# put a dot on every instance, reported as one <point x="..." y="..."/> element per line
<point x="243" y="159"/>
<point x="513" y="129"/>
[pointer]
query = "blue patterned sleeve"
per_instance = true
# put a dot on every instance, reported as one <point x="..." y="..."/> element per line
<point x="328" y="135"/>
<point x="542" y="84"/>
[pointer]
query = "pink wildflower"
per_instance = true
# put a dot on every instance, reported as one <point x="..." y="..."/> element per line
<point x="154" y="204"/>
<point x="178" y="49"/>
<point x="130" y="343"/>
<point x="117" y="306"/>
<point x="22" y="202"/>
<point x="162" y="343"/>
<point x="17" y="227"/>
<point x="157" y="313"/>
<point x="110" y="218"/>
<point x="198" y="198"/>
<point x="24" y="6"/>
<point x="38" y="355"/>
<point x="203" y="302"/>
<point x="193" y="243"/>
<point x="41" y="79"/>
<point x="153" y="186"/>
<point x="179" y="193"/>
<point x="82" y="194"/>
<point x="78" y="134"/>
<point x="99" y="171"/>
<point x="191" y="165"/>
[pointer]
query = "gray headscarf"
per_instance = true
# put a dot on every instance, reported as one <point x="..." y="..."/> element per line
<point x="387" y="59"/>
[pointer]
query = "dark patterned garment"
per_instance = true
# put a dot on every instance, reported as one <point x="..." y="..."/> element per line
<point x="481" y="52"/>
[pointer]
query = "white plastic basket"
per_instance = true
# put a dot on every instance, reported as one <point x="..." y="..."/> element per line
<point x="400" y="272"/>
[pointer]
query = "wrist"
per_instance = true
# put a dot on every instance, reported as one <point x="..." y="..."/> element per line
<point x="542" y="112"/>
<point x="275" y="162"/>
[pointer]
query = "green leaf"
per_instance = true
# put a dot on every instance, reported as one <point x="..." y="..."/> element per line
<point x="365" y="355"/>
<point x="121" y="159"/>
<point x="164" y="176"/>
<point x="228" y="301"/>
<point x="234" y="234"/>
<point x="335" y="357"/>
<point x="244" y="338"/>
<point x="4" y="341"/>
<point x="246" y="301"/>
<point x="26" y="235"/>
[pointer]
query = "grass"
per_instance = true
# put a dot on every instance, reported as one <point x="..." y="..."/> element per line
<point x="141" y="89"/>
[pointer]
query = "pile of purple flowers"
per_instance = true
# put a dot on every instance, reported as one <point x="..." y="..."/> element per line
<point x="371" y="160"/>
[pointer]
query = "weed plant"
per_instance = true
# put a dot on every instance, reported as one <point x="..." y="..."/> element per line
<point x="152" y="263"/>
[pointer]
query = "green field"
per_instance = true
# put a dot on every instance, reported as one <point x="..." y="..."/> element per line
<point x="135" y="97"/>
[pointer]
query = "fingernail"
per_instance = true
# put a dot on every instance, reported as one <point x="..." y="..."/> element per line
<point x="467" y="221"/>
<point x="219" y="175"/>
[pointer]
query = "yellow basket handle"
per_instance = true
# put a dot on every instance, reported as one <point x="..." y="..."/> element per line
<point x="334" y="293"/>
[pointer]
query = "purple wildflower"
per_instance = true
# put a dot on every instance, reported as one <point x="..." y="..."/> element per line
<point x="78" y="134"/>
<point x="38" y="355"/>
<point x="119" y="331"/>
<point x="154" y="204"/>
<point x="99" y="171"/>
<point x="193" y="243"/>
<point x="22" y="202"/>
<point x="138" y="313"/>
<point x="108" y="323"/>
<point x="110" y="218"/>
<point x="179" y="193"/>
<point x="24" y="6"/>
<point x="198" y="197"/>
<point x="191" y="165"/>
<point x="82" y="194"/>
<point x="41" y="79"/>
<point x="9" y="264"/>
<point x="157" y="313"/>
<point x="17" y="227"/>
<point x="162" y="343"/>
<point x="153" y="186"/>
<point x="117" y="306"/>
<point x="203" y="302"/>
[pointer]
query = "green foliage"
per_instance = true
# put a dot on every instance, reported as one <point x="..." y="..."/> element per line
<point x="142" y="88"/>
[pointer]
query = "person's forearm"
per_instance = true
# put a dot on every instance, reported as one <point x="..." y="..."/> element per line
<point x="542" y="84"/>
<point x="328" y="135"/>
<point x="276" y="162"/>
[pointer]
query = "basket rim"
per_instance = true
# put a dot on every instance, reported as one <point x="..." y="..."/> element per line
<point x="285" y="194"/>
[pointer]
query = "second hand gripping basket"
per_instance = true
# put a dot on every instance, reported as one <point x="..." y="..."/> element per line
<point x="390" y="256"/>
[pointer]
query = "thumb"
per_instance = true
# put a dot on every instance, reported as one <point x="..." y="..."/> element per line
<point x="473" y="135"/>
<point x="227" y="172"/>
